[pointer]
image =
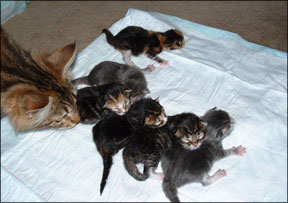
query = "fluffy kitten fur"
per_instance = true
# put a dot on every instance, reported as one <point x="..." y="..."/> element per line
<point x="134" y="40"/>
<point x="36" y="92"/>
<point x="147" y="145"/>
<point x="93" y="101"/>
<point x="181" y="166"/>
<point x="113" y="132"/>
<point x="106" y="72"/>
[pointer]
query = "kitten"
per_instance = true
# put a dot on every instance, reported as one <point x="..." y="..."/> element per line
<point x="181" y="166"/>
<point x="147" y="145"/>
<point x="35" y="90"/>
<point x="93" y="101"/>
<point x="106" y="72"/>
<point x="134" y="40"/>
<point x="113" y="132"/>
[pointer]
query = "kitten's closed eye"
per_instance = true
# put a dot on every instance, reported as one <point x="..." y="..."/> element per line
<point x="179" y="43"/>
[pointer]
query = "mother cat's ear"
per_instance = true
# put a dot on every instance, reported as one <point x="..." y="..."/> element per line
<point x="33" y="102"/>
<point x="58" y="61"/>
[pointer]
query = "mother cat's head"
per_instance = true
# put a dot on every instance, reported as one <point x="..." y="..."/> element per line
<point x="36" y="92"/>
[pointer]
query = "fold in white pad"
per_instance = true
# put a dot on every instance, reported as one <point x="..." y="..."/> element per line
<point x="215" y="68"/>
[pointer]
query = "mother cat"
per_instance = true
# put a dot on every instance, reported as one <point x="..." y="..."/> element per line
<point x="36" y="91"/>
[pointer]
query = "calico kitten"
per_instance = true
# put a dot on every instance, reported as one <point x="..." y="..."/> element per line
<point x="134" y="40"/>
<point x="93" y="101"/>
<point x="106" y="72"/>
<point x="113" y="132"/>
<point x="147" y="145"/>
<point x="35" y="90"/>
<point x="181" y="166"/>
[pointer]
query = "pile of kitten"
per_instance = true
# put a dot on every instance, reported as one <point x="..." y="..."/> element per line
<point x="38" y="92"/>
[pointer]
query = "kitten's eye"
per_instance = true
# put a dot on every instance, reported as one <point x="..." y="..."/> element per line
<point x="179" y="43"/>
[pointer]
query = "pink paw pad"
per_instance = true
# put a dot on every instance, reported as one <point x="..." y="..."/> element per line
<point x="240" y="150"/>
<point x="221" y="173"/>
<point x="164" y="63"/>
<point x="151" y="67"/>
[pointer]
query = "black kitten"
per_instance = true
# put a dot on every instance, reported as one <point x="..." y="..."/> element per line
<point x="92" y="101"/>
<point x="113" y="132"/>
<point x="147" y="145"/>
<point x="134" y="40"/>
<point x="107" y="72"/>
<point x="181" y="166"/>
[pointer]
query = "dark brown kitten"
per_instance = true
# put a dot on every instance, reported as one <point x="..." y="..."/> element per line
<point x="182" y="166"/>
<point x="93" y="101"/>
<point x="134" y="40"/>
<point x="147" y="145"/>
<point x="37" y="92"/>
<point x="113" y="132"/>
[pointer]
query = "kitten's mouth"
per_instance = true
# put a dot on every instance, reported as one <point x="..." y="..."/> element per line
<point x="190" y="147"/>
<point x="121" y="113"/>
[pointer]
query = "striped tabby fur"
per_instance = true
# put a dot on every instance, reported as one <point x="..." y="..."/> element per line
<point x="36" y="91"/>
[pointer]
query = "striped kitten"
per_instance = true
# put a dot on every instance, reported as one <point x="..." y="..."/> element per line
<point x="182" y="166"/>
<point x="134" y="40"/>
<point x="93" y="101"/>
<point x="147" y="145"/>
<point x="36" y="92"/>
<point x="113" y="132"/>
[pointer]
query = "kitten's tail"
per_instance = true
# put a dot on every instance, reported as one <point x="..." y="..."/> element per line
<point x="82" y="80"/>
<point x="107" y="162"/>
<point x="170" y="190"/>
<point x="109" y="37"/>
<point x="132" y="168"/>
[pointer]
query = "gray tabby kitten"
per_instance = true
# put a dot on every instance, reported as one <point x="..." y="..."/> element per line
<point x="106" y="72"/>
<point x="181" y="166"/>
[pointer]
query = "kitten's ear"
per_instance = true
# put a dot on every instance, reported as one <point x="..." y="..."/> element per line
<point x="220" y="133"/>
<point x="105" y="105"/>
<point x="32" y="103"/>
<point x="157" y="99"/>
<point x="148" y="121"/>
<point x="178" y="132"/>
<point x="58" y="61"/>
<point x="203" y="124"/>
<point x="146" y="91"/>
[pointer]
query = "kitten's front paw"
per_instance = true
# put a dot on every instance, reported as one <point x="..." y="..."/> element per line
<point x="151" y="68"/>
<point x="164" y="63"/>
<point x="220" y="173"/>
<point x="240" y="151"/>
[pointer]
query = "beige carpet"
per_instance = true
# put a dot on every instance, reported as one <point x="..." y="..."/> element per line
<point x="47" y="25"/>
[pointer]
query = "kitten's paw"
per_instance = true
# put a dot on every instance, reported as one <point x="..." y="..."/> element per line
<point x="240" y="151"/>
<point x="151" y="68"/>
<point x="164" y="63"/>
<point x="220" y="173"/>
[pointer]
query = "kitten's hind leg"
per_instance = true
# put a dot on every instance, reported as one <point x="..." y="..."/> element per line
<point x="170" y="190"/>
<point x="127" y="58"/>
<point x="149" y="69"/>
<point x="159" y="60"/>
<point x="207" y="180"/>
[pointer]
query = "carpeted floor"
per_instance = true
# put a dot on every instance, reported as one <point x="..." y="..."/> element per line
<point x="47" y="25"/>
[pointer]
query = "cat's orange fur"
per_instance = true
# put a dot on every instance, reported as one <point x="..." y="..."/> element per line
<point x="36" y="92"/>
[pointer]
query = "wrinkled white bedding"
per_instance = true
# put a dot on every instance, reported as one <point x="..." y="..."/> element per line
<point x="216" y="68"/>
